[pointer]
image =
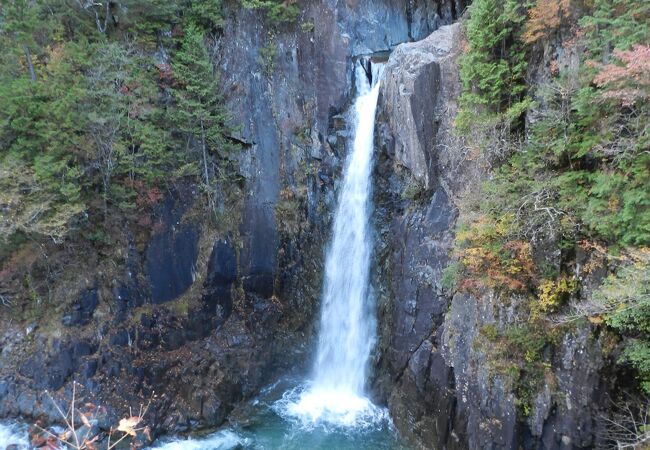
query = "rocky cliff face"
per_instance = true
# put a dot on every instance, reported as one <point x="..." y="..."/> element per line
<point x="445" y="383"/>
<point x="204" y="312"/>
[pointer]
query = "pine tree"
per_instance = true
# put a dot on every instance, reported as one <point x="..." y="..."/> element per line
<point x="19" y="26"/>
<point x="493" y="67"/>
<point x="198" y="112"/>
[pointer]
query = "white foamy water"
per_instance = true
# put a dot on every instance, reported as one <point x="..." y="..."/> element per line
<point x="14" y="434"/>
<point x="336" y="394"/>
<point x="310" y="407"/>
<point x="223" y="440"/>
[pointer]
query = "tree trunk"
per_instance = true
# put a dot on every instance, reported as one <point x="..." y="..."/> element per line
<point x="30" y="64"/>
<point x="205" y="155"/>
<point x="105" y="183"/>
<point x="100" y="28"/>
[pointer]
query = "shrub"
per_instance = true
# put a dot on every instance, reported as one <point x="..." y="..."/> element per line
<point x="490" y="258"/>
<point x="450" y="276"/>
<point x="552" y="295"/>
<point x="81" y="431"/>
<point x="277" y="12"/>
<point x="625" y="296"/>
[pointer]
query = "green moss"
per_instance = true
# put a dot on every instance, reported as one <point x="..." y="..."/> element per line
<point x="307" y="26"/>
<point x="414" y="190"/>
<point x="267" y="58"/>
<point x="490" y="332"/>
<point x="451" y="276"/>
<point x="288" y="215"/>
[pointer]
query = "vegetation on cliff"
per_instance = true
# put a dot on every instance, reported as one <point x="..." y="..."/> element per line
<point x="570" y="151"/>
<point x="111" y="100"/>
<point x="86" y="111"/>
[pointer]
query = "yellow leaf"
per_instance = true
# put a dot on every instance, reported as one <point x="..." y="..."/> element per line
<point x="127" y="425"/>
<point x="596" y="320"/>
<point x="85" y="420"/>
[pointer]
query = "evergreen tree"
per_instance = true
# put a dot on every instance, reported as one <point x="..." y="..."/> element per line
<point x="198" y="112"/>
<point x="493" y="67"/>
<point x="19" y="28"/>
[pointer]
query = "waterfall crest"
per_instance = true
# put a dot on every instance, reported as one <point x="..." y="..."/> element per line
<point x="347" y="324"/>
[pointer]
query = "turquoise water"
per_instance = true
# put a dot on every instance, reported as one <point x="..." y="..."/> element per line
<point x="266" y="425"/>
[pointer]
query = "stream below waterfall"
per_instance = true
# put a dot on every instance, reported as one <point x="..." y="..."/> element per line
<point x="262" y="424"/>
<point x="265" y="425"/>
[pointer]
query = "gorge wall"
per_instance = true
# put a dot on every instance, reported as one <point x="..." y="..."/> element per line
<point x="447" y="385"/>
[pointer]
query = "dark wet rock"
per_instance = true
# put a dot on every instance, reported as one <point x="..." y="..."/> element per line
<point x="82" y="310"/>
<point x="88" y="369"/>
<point x="218" y="287"/>
<point x="129" y="291"/>
<point x="170" y="261"/>
<point x="120" y="339"/>
<point x="173" y="339"/>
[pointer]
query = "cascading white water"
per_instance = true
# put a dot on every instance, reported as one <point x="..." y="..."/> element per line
<point x="347" y="330"/>
<point x="347" y="324"/>
<point x="14" y="435"/>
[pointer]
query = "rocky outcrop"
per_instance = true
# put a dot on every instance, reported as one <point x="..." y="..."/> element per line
<point x="447" y="385"/>
<point x="411" y="106"/>
<point x="416" y="221"/>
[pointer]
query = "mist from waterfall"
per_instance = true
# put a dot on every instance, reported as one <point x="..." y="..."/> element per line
<point x="336" y="393"/>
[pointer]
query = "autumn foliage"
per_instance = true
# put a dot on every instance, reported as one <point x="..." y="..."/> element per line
<point x="545" y="17"/>
<point x="628" y="79"/>
<point x="492" y="260"/>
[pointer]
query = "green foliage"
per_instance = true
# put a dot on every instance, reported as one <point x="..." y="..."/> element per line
<point x="493" y="66"/>
<point x="199" y="113"/>
<point x="84" y="108"/>
<point x="527" y="344"/>
<point x="582" y="173"/>
<point x="528" y="341"/>
<point x="414" y="190"/>
<point x="637" y="354"/>
<point x="616" y="24"/>
<point x="490" y="332"/>
<point x="277" y="11"/>
<point x="267" y="57"/>
<point x="308" y="26"/>
<point x="553" y="294"/>
<point x="626" y="295"/>
<point x="520" y="353"/>
<point x="529" y="382"/>
<point x="451" y="276"/>
<point x="491" y="256"/>
<point x="207" y="14"/>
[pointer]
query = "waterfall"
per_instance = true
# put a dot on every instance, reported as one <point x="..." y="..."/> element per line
<point x="347" y="322"/>
<point x="347" y="325"/>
